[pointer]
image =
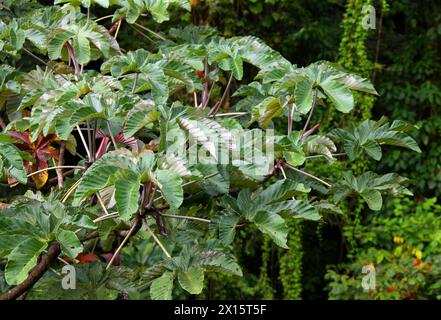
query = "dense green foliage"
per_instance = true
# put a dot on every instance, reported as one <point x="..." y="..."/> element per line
<point x="100" y="98"/>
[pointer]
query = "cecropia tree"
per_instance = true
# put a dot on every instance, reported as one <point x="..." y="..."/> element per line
<point x="138" y="167"/>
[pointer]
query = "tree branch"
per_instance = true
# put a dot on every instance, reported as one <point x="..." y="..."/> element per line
<point x="308" y="175"/>
<point x="219" y="104"/>
<point x="35" y="275"/>
<point x="2" y="124"/>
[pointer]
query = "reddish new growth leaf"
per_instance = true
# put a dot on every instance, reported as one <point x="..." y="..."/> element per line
<point x="40" y="150"/>
<point x="105" y="142"/>
<point x="86" y="258"/>
<point x="200" y="74"/>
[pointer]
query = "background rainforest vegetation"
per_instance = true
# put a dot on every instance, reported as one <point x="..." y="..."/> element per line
<point x="401" y="57"/>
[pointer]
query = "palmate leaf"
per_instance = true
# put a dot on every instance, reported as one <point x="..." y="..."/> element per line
<point x="81" y="47"/>
<point x="93" y="282"/>
<point x="132" y="61"/>
<point x="278" y="191"/>
<point x="373" y="149"/>
<point x="22" y="259"/>
<point x="192" y="280"/>
<point x="370" y="187"/>
<point x="93" y="181"/>
<point x="290" y="147"/>
<point x="132" y="9"/>
<point x="301" y="209"/>
<point x="329" y="82"/>
<point x="254" y="51"/>
<point x="263" y="210"/>
<point x="226" y="226"/>
<point x="370" y="135"/>
<point x="227" y="55"/>
<point x="13" y="231"/>
<point x="161" y="288"/>
<point x="86" y="41"/>
<point x="373" y="198"/>
<point x="180" y="72"/>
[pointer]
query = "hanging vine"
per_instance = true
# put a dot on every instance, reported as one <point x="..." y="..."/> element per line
<point x="353" y="57"/>
<point x="290" y="261"/>
<point x="264" y="285"/>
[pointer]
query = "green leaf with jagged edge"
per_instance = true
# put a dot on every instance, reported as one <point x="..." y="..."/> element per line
<point x="304" y="95"/>
<point x="219" y="261"/>
<point x="139" y="116"/>
<point x="340" y="95"/>
<point x="273" y="225"/>
<point x="93" y="282"/>
<point x="265" y="111"/>
<point x="280" y="190"/>
<point x="227" y="55"/>
<point x="301" y="208"/>
<point x="192" y="280"/>
<point x="171" y="187"/>
<point x="373" y="149"/>
<point x="320" y="145"/>
<point x="23" y="259"/>
<point x="132" y="9"/>
<point x="100" y="175"/>
<point x="86" y="40"/>
<point x="56" y="43"/>
<point x="158" y="82"/>
<point x="162" y="287"/>
<point x="127" y="185"/>
<point x="85" y="3"/>
<point x="355" y="82"/>
<point x="373" y="198"/>
<point x="226" y="226"/>
<point x="369" y="136"/>
<point x="197" y="132"/>
<point x="69" y="243"/>
<point x="17" y="38"/>
<point x="370" y="186"/>
<point x="12" y="160"/>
